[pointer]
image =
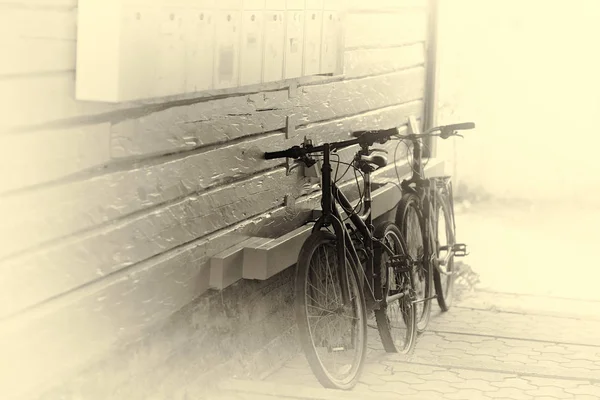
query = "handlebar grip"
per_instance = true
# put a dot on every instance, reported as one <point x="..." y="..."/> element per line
<point x="277" y="154"/>
<point x="461" y="126"/>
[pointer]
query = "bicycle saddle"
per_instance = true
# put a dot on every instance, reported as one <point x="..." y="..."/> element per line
<point x="376" y="159"/>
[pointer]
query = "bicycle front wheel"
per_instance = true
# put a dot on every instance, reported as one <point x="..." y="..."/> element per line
<point x="444" y="280"/>
<point x="396" y="319"/>
<point x="333" y="335"/>
<point x="410" y="219"/>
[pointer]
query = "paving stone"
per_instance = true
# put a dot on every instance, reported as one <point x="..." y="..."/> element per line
<point x="396" y="388"/>
<point x="436" y="386"/>
<point x="371" y="379"/>
<point x="405" y="377"/>
<point x="556" y="392"/>
<point x="446" y="376"/>
<point x="489" y="376"/>
<point x="586" y="389"/>
<point x="511" y="393"/>
<point x="481" y="384"/>
<point x="392" y="367"/>
<point x="466" y="394"/>
<point x="517" y="383"/>
<point x="546" y="382"/>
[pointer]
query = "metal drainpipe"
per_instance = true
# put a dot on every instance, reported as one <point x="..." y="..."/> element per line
<point x="431" y="87"/>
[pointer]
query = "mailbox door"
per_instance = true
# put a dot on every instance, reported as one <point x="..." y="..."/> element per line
<point x="274" y="45"/>
<point x="200" y="37"/>
<point x="294" y="44"/>
<point x="227" y="48"/>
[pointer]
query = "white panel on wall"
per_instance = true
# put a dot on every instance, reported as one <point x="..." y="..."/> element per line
<point x="171" y="54"/>
<point x="228" y="28"/>
<point x="330" y="42"/>
<point x="294" y="43"/>
<point x="251" y="53"/>
<point x="132" y="49"/>
<point x="274" y="46"/>
<point x="139" y="37"/>
<point x="313" y="28"/>
<point x="200" y="40"/>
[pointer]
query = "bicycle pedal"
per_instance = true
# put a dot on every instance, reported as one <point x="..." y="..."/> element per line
<point x="460" y="250"/>
<point x="401" y="263"/>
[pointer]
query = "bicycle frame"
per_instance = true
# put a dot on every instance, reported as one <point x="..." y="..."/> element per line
<point x="331" y="196"/>
<point x="426" y="190"/>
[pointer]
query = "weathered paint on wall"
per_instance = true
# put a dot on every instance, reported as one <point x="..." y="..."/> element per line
<point x="110" y="213"/>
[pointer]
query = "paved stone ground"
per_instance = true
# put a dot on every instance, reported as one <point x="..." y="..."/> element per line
<point x="528" y="331"/>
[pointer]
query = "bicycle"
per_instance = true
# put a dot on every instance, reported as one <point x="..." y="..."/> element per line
<point x="384" y="275"/>
<point x="418" y="214"/>
<point x="331" y="260"/>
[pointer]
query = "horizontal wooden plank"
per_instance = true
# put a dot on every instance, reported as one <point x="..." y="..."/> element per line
<point x="67" y="333"/>
<point x="341" y="99"/>
<point x="385" y="118"/>
<point x="385" y="29"/>
<point x="190" y="126"/>
<point x="360" y="63"/>
<point x="38" y="157"/>
<point x="187" y="127"/>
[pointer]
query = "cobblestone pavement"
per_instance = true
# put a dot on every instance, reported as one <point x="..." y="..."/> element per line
<point x="491" y="345"/>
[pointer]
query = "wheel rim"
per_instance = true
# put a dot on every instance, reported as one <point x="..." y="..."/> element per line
<point x="398" y="313"/>
<point x="444" y="238"/>
<point x="336" y="331"/>
<point x="414" y="241"/>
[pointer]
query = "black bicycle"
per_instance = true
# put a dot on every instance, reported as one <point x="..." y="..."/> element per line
<point x="342" y="267"/>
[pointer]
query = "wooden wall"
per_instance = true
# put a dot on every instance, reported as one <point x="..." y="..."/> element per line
<point x="110" y="213"/>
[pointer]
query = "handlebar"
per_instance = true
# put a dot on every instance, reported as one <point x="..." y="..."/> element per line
<point x="366" y="139"/>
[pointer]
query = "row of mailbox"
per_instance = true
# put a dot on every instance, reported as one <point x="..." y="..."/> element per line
<point x="177" y="49"/>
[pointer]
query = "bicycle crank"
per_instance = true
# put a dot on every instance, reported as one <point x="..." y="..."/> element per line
<point x="424" y="300"/>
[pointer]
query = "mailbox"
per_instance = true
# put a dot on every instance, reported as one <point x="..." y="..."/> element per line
<point x="200" y="38"/>
<point x="131" y="50"/>
<point x="228" y="34"/>
<point x="137" y="65"/>
<point x="170" y="56"/>
<point x="313" y="27"/>
<point x="274" y="46"/>
<point x="294" y="39"/>
<point x="330" y="44"/>
<point x="251" y="51"/>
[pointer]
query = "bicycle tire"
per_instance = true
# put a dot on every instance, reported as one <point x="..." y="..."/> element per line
<point x="444" y="286"/>
<point x="418" y="247"/>
<point x="388" y="231"/>
<point x="307" y="334"/>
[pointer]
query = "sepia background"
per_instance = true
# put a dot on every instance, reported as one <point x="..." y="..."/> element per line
<point x="111" y="214"/>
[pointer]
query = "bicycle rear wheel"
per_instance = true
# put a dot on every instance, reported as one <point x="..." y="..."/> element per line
<point x="444" y="281"/>
<point x="333" y="335"/>
<point x="410" y="219"/>
<point x="397" y="319"/>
